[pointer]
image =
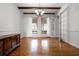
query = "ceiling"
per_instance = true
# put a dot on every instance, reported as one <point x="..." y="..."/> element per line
<point x="41" y="4"/>
<point x="49" y="8"/>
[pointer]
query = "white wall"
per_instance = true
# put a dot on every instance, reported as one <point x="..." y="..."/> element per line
<point x="74" y="24"/>
<point x="53" y="26"/>
<point x="10" y="19"/>
<point x="64" y="25"/>
<point x="28" y="26"/>
<point x="70" y="26"/>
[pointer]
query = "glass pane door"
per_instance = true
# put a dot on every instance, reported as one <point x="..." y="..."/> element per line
<point x="44" y="25"/>
<point x="39" y="25"/>
<point x="34" y="26"/>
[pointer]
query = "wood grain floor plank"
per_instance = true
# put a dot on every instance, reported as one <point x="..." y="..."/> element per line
<point x="44" y="46"/>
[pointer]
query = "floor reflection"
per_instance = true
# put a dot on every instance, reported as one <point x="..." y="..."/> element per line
<point x="34" y="45"/>
<point x="45" y="44"/>
<point x="42" y="43"/>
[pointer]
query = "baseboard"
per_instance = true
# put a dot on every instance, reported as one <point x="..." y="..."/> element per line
<point x="73" y="45"/>
<point x="69" y="43"/>
<point x="41" y="37"/>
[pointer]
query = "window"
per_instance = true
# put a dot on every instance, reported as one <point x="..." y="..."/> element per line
<point x="39" y="25"/>
<point x="44" y="26"/>
<point x="34" y="26"/>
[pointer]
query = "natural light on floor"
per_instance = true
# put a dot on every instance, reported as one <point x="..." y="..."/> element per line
<point x="34" y="45"/>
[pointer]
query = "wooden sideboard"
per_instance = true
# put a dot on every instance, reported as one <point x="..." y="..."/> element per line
<point x="9" y="43"/>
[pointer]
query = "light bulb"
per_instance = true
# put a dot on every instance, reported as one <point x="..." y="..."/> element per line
<point x="42" y="12"/>
<point x="36" y="11"/>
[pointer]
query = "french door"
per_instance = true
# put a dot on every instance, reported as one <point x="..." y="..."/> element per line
<point x="39" y="25"/>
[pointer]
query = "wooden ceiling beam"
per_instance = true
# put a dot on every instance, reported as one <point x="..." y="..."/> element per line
<point x="39" y="7"/>
<point x="35" y="13"/>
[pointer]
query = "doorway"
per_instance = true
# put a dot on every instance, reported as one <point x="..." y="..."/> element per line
<point x="39" y="25"/>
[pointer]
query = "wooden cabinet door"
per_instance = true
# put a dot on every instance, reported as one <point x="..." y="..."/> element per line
<point x="13" y="40"/>
<point x="7" y="45"/>
<point x="1" y="47"/>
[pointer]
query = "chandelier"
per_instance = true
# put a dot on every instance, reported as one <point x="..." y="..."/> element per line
<point x="39" y="11"/>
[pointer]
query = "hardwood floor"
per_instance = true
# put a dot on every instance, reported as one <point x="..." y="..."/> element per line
<point x="44" y="47"/>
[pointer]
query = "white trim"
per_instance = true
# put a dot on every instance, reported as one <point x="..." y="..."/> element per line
<point x="71" y="44"/>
